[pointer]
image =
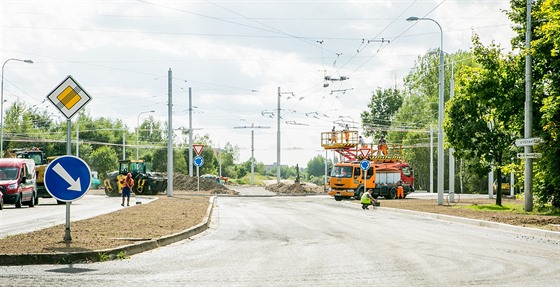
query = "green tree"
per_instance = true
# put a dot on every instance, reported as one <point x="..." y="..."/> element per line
<point x="545" y="47"/>
<point x="383" y="105"/>
<point x="479" y="121"/>
<point x="316" y="166"/>
<point x="159" y="162"/>
<point x="103" y="160"/>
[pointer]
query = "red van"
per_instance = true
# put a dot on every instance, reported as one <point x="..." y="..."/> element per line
<point x="17" y="179"/>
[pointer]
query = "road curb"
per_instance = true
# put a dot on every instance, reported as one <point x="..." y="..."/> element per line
<point x="482" y="223"/>
<point x="107" y="254"/>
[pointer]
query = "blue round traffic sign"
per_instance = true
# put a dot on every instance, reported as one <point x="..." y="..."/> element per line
<point x="67" y="178"/>
<point x="364" y="164"/>
<point x="198" y="161"/>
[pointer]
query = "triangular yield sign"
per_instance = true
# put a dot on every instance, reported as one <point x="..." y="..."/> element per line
<point x="198" y="148"/>
<point x="365" y="152"/>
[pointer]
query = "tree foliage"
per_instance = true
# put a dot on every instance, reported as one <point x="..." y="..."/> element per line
<point x="480" y="123"/>
<point x="103" y="160"/>
<point x="383" y="105"/>
<point x="545" y="51"/>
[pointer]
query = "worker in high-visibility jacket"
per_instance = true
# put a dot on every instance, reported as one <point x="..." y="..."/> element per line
<point x="400" y="190"/>
<point x="127" y="183"/>
<point x="367" y="199"/>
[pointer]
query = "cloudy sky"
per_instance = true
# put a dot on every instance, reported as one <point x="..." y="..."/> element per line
<point x="234" y="55"/>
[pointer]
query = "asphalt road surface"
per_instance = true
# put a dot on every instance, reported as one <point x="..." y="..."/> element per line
<point x="316" y="241"/>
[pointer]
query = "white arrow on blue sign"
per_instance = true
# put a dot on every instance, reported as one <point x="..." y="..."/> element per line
<point x="67" y="178"/>
<point x="198" y="161"/>
<point x="364" y="164"/>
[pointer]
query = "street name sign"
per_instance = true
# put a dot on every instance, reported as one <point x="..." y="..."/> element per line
<point x="528" y="142"/>
<point x="69" y="97"/>
<point x="529" y="155"/>
<point x="67" y="178"/>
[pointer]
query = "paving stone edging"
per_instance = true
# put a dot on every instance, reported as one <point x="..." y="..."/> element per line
<point x="107" y="254"/>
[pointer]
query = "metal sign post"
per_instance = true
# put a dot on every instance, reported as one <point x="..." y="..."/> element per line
<point x="365" y="165"/>
<point x="198" y="162"/>
<point x="69" y="98"/>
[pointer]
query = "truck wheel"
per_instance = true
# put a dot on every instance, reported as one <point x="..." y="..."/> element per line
<point x="392" y="193"/>
<point x="337" y="197"/>
<point x="18" y="201"/>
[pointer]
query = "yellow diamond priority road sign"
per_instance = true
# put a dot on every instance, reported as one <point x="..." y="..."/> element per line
<point x="69" y="97"/>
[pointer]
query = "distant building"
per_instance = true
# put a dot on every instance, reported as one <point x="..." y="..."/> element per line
<point x="272" y="167"/>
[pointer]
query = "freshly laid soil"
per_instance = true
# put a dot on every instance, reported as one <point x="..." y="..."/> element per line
<point x="286" y="188"/>
<point x="165" y="216"/>
<point x="190" y="183"/>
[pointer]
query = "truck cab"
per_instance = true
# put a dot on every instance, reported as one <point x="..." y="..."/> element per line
<point x="347" y="180"/>
<point x="17" y="180"/>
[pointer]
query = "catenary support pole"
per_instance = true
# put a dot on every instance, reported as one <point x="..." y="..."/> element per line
<point x="451" y="150"/>
<point x="278" y="142"/>
<point x="169" y="134"/>
<point x="528" y="128"/>
<point x="431" y="159"/>
<point x="190" y="135"/>
<point x="252" y="127"/>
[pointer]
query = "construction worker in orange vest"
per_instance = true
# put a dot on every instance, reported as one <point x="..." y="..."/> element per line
<point x="127" y="183"/>
<point x="400" y="190"/>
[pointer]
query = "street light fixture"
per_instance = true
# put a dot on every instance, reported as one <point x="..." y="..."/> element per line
<point x="138" y="128"/>
<point x="2" y="104"/>
<point x="440" y="163"/>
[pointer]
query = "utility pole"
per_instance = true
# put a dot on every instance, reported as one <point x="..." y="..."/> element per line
<point x="278" y="138"/>
<point x="190" y="135"/>
<point x="528" y="128"/>
<point x="252" y="127"/>
<point x="431" y="159"/>
<point x="278" y="142"/>
<point x="169" y="134"/>
<point x="123" y="146"/>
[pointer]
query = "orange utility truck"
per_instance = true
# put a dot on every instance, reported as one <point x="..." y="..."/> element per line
<point x="386" y="170"/>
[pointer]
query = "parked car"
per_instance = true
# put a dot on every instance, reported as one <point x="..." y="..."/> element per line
<point x="17" y="178"/>
<point x="505" y="185"/>
<point x="222" y="179"/>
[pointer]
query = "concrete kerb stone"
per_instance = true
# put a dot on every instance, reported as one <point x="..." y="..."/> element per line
<point x="113" y="253"/>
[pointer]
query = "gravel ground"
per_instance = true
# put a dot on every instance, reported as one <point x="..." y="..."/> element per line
<point x="187" y="208"/>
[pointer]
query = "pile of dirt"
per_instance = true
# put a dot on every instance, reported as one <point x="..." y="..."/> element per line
<point x="185" y="182"/>
<point x="293" y="188"/>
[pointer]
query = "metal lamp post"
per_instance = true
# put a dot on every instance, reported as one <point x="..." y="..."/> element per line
<point x="138" y="128"/>
<point x="2" y="103"/>
<point x="440" y="163"/>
